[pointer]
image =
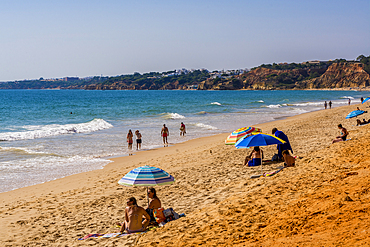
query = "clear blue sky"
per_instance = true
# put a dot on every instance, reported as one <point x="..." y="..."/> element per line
<point x="53" y="39"/>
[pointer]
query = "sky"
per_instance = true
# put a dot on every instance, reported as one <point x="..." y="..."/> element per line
<point x="55" y="39"/>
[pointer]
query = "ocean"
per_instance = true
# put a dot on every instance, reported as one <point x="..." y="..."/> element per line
<point x="50" y="134"/>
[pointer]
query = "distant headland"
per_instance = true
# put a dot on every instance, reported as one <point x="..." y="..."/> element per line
<point x="332" y="74"/>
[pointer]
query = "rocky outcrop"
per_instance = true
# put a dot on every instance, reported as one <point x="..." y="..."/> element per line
<point x="339" y="75"/>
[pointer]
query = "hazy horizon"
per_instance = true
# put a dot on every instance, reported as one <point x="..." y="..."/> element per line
<point x="92" y="38"/>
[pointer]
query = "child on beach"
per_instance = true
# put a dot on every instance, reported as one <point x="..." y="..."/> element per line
<point x="129" y="141"/>
<point x="138" y="139"/>
<point x="289" y="161"/>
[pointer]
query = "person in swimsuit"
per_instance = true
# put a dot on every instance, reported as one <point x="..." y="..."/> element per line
<point x="255" y="157"/>
<point x="330" y="104"/>
<point x="138" y="140"/>
<point x="343" y="134"/>
<point x="129" y="141"/>
<point x="289" y="160"/>
<point x="154" y="203"/>
<point x="133" y="218"/>
<point x="182" y="129"/>
<point x="164" y="133"/>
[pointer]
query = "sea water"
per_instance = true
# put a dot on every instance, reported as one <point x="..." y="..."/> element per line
<point x="49" y="134"/>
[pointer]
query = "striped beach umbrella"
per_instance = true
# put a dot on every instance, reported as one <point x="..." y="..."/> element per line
<point x="236" y="135"/>
<point x="146" y="176"/>
<point x="355" y="114"/>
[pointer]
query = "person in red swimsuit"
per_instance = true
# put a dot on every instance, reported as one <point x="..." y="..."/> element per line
<point x="164" y="133"/>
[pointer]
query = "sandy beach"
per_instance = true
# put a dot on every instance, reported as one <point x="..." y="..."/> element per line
<point x="323" y="201"/>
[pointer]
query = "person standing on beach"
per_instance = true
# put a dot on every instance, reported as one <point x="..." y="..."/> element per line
<point x="138" y="140"/>
<point x="164" y="133"/>
<point x="349" y="101"/>
<point x="326" y="105"/>
<point x="362" y="99"/>
<point x="182" y="129"/>
<point x="330" y="104"/>
<point x="282" y="147"/>
<point x="129" y="141"/>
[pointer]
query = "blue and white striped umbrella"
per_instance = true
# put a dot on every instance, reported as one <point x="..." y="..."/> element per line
<point x="146" y="176"/>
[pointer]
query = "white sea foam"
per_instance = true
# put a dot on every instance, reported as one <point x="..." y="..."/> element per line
<point x="347" y="97"/>
<point x="274" y="106"/>
<point x="215" y="103"/>
<point x="261" y="101"/>
<point x="172" y="116"/>
<point x="55" y="130"/>
<point x="206" y="126"/>
<point x="20" y="150"/>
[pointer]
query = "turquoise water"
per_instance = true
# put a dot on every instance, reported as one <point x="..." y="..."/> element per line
<point x="48" y="134"/>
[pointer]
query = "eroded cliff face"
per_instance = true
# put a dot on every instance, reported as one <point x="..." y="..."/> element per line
<point x="339" y="75"/>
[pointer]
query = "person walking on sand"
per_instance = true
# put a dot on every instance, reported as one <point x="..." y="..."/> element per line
<point x="325" y="105"/>
<point x="129" y="141"/>
<point x="138" y="140"/>
<point x="164" y="133"/>
<point x="330" y="104"/>
<point x="134" y="218"/>
<point x="182" y="129"/>
<point x="343" y="134"/>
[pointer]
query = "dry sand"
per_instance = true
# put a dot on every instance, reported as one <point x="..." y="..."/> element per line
<point x="323" y="201"/>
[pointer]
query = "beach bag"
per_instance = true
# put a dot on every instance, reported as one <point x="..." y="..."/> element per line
<point x="275" y="157"/>
<point x="170" y="214"/>
<point x="158" y="215"/>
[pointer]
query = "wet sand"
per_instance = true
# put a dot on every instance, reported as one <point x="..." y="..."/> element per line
<point x="323" y="201"/>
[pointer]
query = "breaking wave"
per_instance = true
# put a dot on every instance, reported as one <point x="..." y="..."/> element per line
<point x="55" y="130"/>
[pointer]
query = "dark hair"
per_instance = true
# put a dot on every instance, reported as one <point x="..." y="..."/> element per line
<point x="257" y="148"/>
<point x="340" y="126"/>
<point x="132" y="199"/>
<point x="285" y="152"/>
<point x="274" y="130"/>
<point x="154" y="192"/>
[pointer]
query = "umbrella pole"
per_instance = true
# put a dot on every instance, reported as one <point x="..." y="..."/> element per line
<point x="261" y="162"/>
<point x="147" y="196"/>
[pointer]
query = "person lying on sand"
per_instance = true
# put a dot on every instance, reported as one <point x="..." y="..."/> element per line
<point x="343" y="134"/>
<point x="289" y="160"/>
<point x="255" y="157"/>
<point x="154" y="203"/>
<point x="133" y="218"/>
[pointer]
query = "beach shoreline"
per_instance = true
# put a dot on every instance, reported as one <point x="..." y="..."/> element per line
<point x="209" y="176"/>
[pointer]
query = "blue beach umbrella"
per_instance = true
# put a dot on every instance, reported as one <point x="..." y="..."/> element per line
<point x="146" y="176"/>
<point x="365" y="100"/>
<point x="355" y="113"/>
<point x="258" y="139"/>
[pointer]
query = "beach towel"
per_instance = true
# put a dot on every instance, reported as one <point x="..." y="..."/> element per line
<point x="108" y="235"/>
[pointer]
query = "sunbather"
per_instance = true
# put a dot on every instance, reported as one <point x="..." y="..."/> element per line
<point x="343" y="134"/>
<point x="255" y="157"/>
<point x="133" y="218"/>
<point x="289" y="160"/>
<point x="154" y="203"/>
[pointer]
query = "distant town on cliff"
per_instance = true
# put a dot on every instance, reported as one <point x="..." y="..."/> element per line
<point x="332" y="74"/>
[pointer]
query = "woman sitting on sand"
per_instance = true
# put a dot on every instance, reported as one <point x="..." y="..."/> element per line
<point x="289" y="160"/>
<point x="154" y="203"/>
<point x="343" y="134"/>
<point x="255" y="157"/>
<point x="133" y="218"/>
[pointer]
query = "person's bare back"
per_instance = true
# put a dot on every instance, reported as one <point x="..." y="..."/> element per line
<point x="133" y="218"/>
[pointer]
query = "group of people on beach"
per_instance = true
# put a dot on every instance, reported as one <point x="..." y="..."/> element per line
<point x="326" y="104"/>
<point x="256" y="156"/>
<point x="137" y="219"/>
<point x="164" y="133"/>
